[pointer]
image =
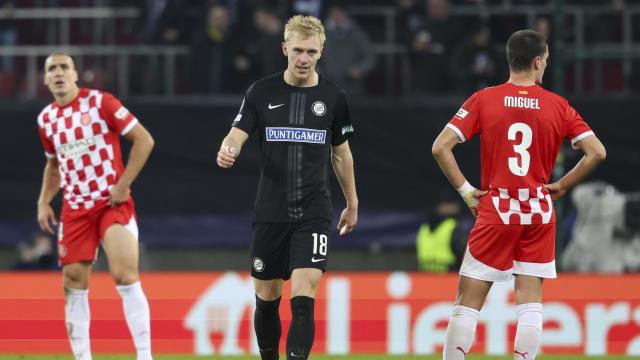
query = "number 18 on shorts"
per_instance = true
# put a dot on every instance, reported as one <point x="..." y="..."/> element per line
<point x="280" y="248"/>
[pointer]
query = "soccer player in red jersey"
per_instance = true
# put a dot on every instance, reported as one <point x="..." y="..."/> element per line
<point x="80" y="131"/>
<point x="522" y="126"/>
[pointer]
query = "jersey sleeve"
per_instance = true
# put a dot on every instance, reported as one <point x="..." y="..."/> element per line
<point x="342" y="125"/>
<point x="576" y="128"/>
<point x="466" y="122"/>
<point x="49" y="150"/>
<point x="116" y="115"/>
<point x="247" y="118"/>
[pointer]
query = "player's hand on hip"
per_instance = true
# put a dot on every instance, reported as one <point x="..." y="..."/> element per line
<point x="118" y="195"/>
<point x="555" y="190"/>
<point x="471" y="197"/>
<point x="226" y="157"/>
<point x="348" y="220"/>
<point x="46" y="218"/>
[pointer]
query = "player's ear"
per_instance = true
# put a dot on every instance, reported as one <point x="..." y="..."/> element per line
<point x="284" y="48"/>
<point x="537" y="63"/>
<point x="75" y="75"/>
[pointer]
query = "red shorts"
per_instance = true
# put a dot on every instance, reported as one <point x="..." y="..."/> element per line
<point x="495" y="252"/>
<point x="79" y="237"/>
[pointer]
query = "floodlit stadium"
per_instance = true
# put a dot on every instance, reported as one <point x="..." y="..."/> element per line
<point x="166" y="163"/>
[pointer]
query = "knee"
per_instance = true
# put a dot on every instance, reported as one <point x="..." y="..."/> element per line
<point x="304" y="289"/>
<point x="125" y="277"/>
<point x="305" y="286"/>
<point x="75" y="276"/>
<point x="268" y="293"/>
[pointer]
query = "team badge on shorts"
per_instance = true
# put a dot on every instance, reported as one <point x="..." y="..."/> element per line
<point x="62" y="251"/>
<point x="319" y="108"/>
<point x="258" y="264"/>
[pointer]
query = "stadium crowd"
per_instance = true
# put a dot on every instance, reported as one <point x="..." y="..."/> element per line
<point x="438" y="46"/>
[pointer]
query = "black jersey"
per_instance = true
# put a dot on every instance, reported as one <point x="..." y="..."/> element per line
<point x="297" y="127"/>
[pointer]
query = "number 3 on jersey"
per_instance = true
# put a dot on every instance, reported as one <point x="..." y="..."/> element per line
<point x="521" y="149"/>
<point x="320" y="244"/>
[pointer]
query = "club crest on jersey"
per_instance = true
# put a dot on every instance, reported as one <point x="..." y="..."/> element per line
<point x="462" y="113"/>
<point x="122" y="113"/>
<point x="319" y="108"/>
<point x="258" y="264"/>
<point x="85" y="119"/>
<point x="302" y="135"/>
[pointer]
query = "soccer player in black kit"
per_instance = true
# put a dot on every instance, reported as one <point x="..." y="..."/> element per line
<point x="302" y="121"/>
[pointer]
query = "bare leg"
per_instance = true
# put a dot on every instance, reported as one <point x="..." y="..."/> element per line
<point x="121" y="247"/>
<point x="464" y="317"/>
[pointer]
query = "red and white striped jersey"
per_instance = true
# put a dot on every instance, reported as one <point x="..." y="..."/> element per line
<point x="84" y="136"/>
<point x="521" y="129"/>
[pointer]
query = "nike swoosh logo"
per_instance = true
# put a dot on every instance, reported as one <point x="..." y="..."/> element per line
<point x="294" y="355"/>
<point x="271" y="107"/>
<point x="313" y="259"/>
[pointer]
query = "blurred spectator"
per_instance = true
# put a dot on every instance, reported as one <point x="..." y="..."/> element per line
<point x="506" y="23"/>
<point x="307" y="7"/>
<point x="8" y="33"/>
<point x="215" y="65"/>
<point x="409" y="18"/>
<point x="543" y="26"/>
<point x="264" y="54"/>
<point x="442" y="240"/>
<point x="605" y="235"/>
<point x="431" y="48"/>
<point x="606" y="26"/>
<point x="475" y="63"/>
<point x="164" y="22"/>
<point x="347" y="55"/>
<point x="37" y="254"/>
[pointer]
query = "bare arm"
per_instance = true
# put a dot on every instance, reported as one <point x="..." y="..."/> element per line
<point x="594" y="154"/>
<point x="50" y="187"/>
<point x="142" y="144"/>
<point x="442" y="151"/>
<point x="342" y="161"/>
<point x="231" y="147"/>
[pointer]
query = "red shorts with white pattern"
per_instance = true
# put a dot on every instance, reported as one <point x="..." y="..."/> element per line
<point x="496" y="252"/>
<point x="79" y="237"/>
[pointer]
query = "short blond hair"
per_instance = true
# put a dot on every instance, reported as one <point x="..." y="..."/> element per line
<point x="304" y="27"/>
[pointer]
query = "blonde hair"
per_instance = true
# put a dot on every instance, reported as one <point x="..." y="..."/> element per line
<point x="304" y="27"/>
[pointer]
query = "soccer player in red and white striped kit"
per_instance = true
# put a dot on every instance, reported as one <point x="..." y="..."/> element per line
<point x="80" y="131"/>
<point x="521" y="126"/>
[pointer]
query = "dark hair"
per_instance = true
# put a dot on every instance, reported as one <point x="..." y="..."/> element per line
<point x="522" y="47"/>
<point x="62" y="53"/>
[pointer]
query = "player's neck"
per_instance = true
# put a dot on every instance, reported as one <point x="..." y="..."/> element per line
<point x="310" y="81"/>
<point x="65" y="99"/>
<point x="525" y="78"/>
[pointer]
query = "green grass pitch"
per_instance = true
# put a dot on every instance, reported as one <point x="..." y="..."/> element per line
<point x="314" y="357"/>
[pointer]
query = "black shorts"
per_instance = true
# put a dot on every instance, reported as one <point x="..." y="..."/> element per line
<point x="280" y="248"/>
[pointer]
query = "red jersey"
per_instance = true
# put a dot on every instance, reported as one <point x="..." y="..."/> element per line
<point x="521" y="129"/>
<point x="84" y="136"/>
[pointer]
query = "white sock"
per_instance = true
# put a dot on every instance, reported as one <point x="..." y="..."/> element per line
<point x="460" y="333"/>
<point x="77" y="319"/>
<point x="136" y="311"/>
<point x="529" y="331"/>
